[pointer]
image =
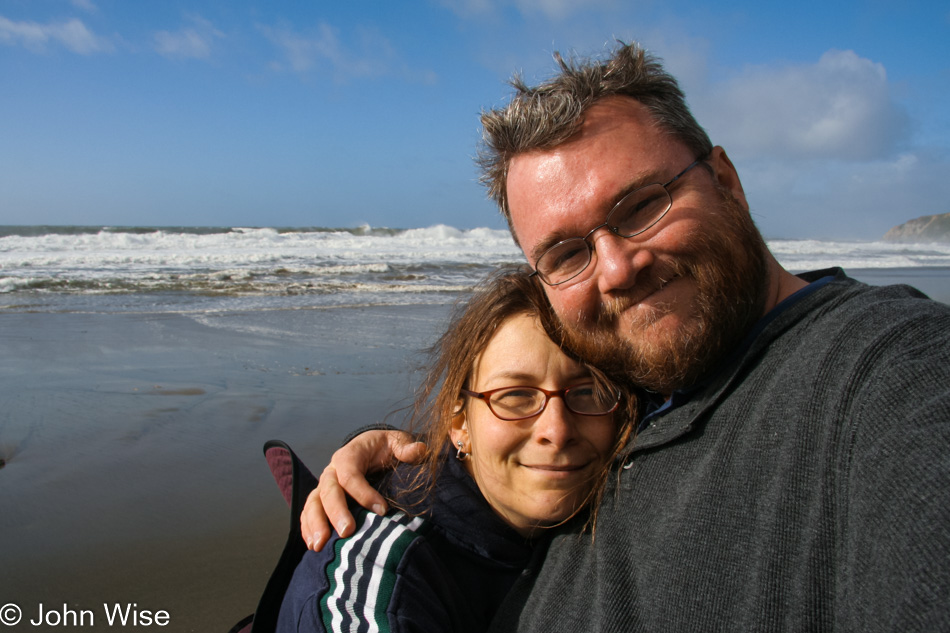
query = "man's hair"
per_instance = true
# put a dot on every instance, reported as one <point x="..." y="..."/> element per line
<point x="545" y="116"/>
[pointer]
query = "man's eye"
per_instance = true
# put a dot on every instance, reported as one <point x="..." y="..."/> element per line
<point x="639" y="208"/>
<point x="566" y="256"/>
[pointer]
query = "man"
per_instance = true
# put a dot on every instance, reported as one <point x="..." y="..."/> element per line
<point x="793" y="469"/>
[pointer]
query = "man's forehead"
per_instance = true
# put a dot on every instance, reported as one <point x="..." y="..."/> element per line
<point x="544" y="201"/>
<point x="564" y="191"/>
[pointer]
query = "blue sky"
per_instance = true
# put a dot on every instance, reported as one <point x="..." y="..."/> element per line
<point x="237" y="113"/>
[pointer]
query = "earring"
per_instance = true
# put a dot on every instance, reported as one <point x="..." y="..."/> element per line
<point x="461" y="455"/>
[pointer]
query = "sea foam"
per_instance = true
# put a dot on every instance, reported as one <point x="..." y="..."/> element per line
<point x="374" y="264"/>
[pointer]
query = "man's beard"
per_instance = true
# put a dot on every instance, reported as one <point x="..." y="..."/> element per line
<point x="728" y="265"/>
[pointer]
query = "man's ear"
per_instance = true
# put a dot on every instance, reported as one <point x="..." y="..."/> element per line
<point x="726" y="174"/>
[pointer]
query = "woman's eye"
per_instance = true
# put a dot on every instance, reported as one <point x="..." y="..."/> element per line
<point x="516" y="400"/>
<point x="515" y="395"/>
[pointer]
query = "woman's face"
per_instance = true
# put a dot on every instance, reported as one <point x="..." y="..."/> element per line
<point x="537" y="471"/>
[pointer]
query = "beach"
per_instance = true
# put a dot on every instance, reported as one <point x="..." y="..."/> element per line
<point x="132" y="441"/>
<point x="143" y="370"/>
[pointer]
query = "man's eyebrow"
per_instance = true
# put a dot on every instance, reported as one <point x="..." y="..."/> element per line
<point x="541" y="247"/>
<point x="639" y="181"/>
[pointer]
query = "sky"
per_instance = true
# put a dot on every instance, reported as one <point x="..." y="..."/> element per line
<point x="339" y="114"/>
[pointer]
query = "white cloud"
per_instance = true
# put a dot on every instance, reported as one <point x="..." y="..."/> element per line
<point x="823" y="149"/>
<point x="551" y="9"/>
<point x="559" y="9"/>
<point x="71" y="34"/>
<point x="857" y="200"/>
<point x="469" y="8"/>
<point x="323" y="49"/>
<point x="85" y="5"/>
<point x="190" y="42"/>
<point x="841" y="107"/>
<point x="303" y="53"/>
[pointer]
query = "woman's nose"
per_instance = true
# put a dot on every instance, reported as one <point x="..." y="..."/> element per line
<point x="556" y="425"/>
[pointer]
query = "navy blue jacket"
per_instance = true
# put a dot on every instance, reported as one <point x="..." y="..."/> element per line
<point x="447" y="569"/>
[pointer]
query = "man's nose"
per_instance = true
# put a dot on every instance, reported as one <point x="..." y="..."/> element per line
<point x="619" y="260"/>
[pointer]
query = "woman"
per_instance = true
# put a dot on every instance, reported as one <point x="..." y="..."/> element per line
<point x="522" y="437"/>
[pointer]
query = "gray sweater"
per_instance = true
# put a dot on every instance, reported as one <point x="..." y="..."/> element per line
<point x="805" y="487"/>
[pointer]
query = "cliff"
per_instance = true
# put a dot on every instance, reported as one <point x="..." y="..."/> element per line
<point x="929" y="228"/>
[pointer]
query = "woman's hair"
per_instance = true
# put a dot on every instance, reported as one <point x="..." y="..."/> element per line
<point x="545" y="116"/>
<point x="507" y="293"/>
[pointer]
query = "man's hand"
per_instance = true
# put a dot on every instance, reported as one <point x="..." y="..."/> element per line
<point x="346" y="474"/>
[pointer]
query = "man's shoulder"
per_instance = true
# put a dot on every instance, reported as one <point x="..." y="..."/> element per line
<point x="854" y="309"/>
<point x="845" y="332"/>
<point x="836" y="286"/>
<point x="848" y="333"/>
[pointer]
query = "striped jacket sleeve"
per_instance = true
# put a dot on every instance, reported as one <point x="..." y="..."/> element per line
<point x="384" y="578"/>
<point x="362" y="575"/>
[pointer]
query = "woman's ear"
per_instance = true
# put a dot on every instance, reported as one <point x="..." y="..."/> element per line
<point x="459" y="431"/>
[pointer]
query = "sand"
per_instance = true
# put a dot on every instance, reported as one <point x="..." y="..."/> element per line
<point x="132" y="443"/>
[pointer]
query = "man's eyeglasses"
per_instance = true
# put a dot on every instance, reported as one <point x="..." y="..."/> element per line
<point x="635" y="213"/>
<point x="519" y="403"/>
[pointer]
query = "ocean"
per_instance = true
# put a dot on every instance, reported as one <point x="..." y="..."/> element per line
<point x="195" y="269"/>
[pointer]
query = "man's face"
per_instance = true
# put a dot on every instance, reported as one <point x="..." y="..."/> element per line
<point x="662" y="306"/>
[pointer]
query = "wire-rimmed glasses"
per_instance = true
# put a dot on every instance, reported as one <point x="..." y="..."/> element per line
<point x="636" y="212"/>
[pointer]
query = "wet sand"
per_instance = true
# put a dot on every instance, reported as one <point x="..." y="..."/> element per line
<point x="132" y="443"/>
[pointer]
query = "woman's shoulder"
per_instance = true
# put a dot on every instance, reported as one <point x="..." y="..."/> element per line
<point x="379" y="539"/>
<point x="383" y="573"/>
<point x="379" y="543"/>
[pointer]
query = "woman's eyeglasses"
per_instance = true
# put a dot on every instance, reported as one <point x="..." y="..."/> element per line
<point x="519" y="403"/>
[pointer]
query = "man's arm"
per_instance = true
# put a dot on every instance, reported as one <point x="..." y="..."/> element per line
<point x="897" y="538"/>
<point x="346" y="475"/>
